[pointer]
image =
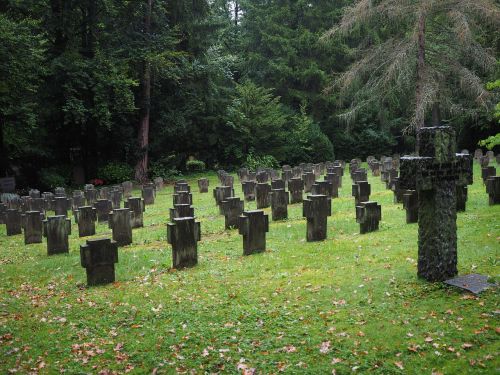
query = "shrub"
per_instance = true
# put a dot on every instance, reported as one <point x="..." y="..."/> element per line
<point x="115" y="172"/>
<point x="195" y="166"/>
<point x="265" y="161"/>
<point x="54" y="177"/>
<point x="158" y="169"/>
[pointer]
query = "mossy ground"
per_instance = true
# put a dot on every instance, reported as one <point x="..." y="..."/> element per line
<point x="350" y="303"/>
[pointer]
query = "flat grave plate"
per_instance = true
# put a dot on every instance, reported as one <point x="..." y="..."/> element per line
<point x="474" y="283"/>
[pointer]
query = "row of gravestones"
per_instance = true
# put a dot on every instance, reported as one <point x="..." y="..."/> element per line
<point x="97" y="256"/>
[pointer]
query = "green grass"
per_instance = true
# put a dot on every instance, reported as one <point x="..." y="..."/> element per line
<point x="357" y="296"/>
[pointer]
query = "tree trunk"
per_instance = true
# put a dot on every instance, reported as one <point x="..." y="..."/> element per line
<point x="141" y="168"/>
<point x="420" y="68"/>
<point x="436" y="114"/>
<point x="236" y="13"/>
<point x="3" y="151"/>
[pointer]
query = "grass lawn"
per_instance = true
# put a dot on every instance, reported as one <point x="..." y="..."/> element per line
<point x="350" y="303"/>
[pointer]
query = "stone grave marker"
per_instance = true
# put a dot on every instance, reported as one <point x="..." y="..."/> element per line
<point x="33" y="227"/>
<point x="13" y="221"/>
<point x="182" y="197"/>
<point x="136" y="205"/>
<point x="7" y="185"/>
<point x="158" y="183"/>
<point x="410" y="204"/>
<point x="316" y="209"/>
<point x="322" y="188"/>
<point x="361" y="192"/>
<point x="148" y="194"/>
<point x="487" y="173"/>
<point x="232" y="208"/>
<point x="57" y="229"/>
<point x="493" y="190"/>
<point x="253" y="227"/>
<point x="183" y="234"/>
<point x="248" y="188"/>
<point x="296" y="189"/>
<point x="87" y="216"/>
<point x="368" y="215"/>
<point x="262" y="191"/>
<point x="279" y="204"/>
<point x="120" y="222"/>
<point x="309" y="179"/>
<point x="203" y="184"/>
<point x="33" y="193"/>
<point x="103" y="207"/>
<point x="98" y="257"/>
<point x="127" y="186"/>
<point x="434" y="174"/>
<point x="277" y="184"/>
<point x="115" y="196"/>
<point x="334" y="180"/>
<point x="181" y="210"/>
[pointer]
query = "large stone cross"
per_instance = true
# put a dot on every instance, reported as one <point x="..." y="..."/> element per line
<point x="435" y="175"/>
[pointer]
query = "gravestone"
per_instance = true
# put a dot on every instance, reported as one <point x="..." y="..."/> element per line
<point x="181" y="210"/>
<point x="183" y="234"/>
<point x="279" y="204"/>
<point x="333" y="179"/>
<point x="360" y="175"/>
<point x="296" y="189"/>
<point x="158" y="183"/>
<point x="361" y="192"/>
<point x="277" y="184"/>
<point x="3" y="213"/>
<point x="262" y="177"/>
<point x="316" y="209"/>
<point x="13" y="222"/>
<point x="136" y="205"/>
<point x="115" y="196"/>
<point x="286" y="174"/>
<point x="484" y="161"/>
<point x="253" y="227"/>
<point x="33" y="193"/>
<point x="322" y="188"/>
<point x="339" y="171"/>
<point x="61" y="205"/>
<point x="368" y="215"/>
<point x="87" y="216"/>
<point x="182" y="187"/>
<point x="127" y="186"/>
<point x="25" y="203"/>
<point x="90" y="196"/>
<point x="410" y="204"/>
<point x="98" y="257"/>
<point x="78" y="199"/>
<point x="38" y="204"/>
<point x="396" y="189"/>
<point x="461" y="198"/>
<point x="478" y="154"/>
<point x="221" y="193"/>
<point x="103" y="207"/>
<point x="7" y="185"/>
<point x="59" y="192"/>
<point x="148" y="194"/>
<point x="120" y="222"/>
<point x="182" y="197"/>
<point x="243" y="174"/>
<point x="297" y="172"/>
<point x="57" y="229"/>
<point x="227" y="180"/>
<point x="48" y="199"/>
<point x="203" y="184"/>
<point x="33" y="227"/>
<point x="392" y="175"/>
<point x="493" y="190"/>
<point x="262" y="191"/>
<point x="309" y="178"/>
<point x="465" y="151"/>
<point x="487" y="173"/>
<point x="490" y="155"/>
<point x="375" y="168"/>
<point x="434" y="174"/>
<point x="248" y="188"/>
<point x="232" y="208"/>
<point x="252" y="176"/>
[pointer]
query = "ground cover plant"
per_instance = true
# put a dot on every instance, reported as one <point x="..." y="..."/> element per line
<point x="350" y="303"/>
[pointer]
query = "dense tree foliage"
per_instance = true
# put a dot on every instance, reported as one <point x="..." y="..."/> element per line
<point x="114" y="89"/>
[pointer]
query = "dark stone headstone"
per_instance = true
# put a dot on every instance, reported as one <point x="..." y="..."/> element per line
<point x="286" y="174"/>
<point x="33" y="193"/>
<point x="181" y="210"/>
<point x="13" y="221"/>
<point x="182" y="187"/>
<point x="361" y="192"/>
<point x="33" y="227"/>
<point x="316" y="209"/>
<point x="148" y="194"/>
<point x="227" y="180"/>
<point x="158" y="183"/>
<point x="60" y="192"/>
<point x="487" y="173"/>
<point x="182" y="197"/>
<point x="3" y="213"/>
<point x="87" y="216"/>
<point x="120" y="222"/>
<point x="115" y="196"/>
<point x="203" y="184"/>
<point x="98" y="257"/>
<point x="232" y="208"/>
<point x="309" y="178"/>
<point x="322" y="188"/>
<point x="410" y="204"/>
<point x="78" y="199"/>
<point x="48" y="198"/>
<point x="103" y="207"/>
<point x="248" y="188"/>
<point x="277" y="184"/>
<point x="484" y="161"/>
<point x="297" y="172"/>
<point x="434" y="174"/>
<point x="136" y="205"/>
<point x="368" y="215"/>
<point x="90" y="196"/>
<point x="478" y="154"/>
<point x="221" y="193"/>
<point x="243" y="174"/>
<point x="183" y="234"/>
<point x="262" y="191"/>
<point x="7" y="185"/>
<point x="296" y="189"/>
<point x="396" y="189"/>
<point x="127" y="186"/>
<point x="334" y="180"/>
<point x="61" y="206"/>
<point x="360" y="175"/>
<point x="262" y="177"/>
<point x="57" y="229"/>
<point x="493" y="189"/>
<point x="461" y="198"/>
<point x="279" y="204"/>
<point x="253" y="227"/>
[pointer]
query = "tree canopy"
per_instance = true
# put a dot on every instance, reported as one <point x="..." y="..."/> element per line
<point x="137" y="88"/>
